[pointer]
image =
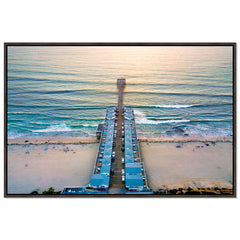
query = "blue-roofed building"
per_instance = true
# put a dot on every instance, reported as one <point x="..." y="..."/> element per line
<point x="134" y="182"/>
<point x="128" y="153"/>
<point x="129" y="159"/>
<point x="108" y="145"/>
<point x="107" y="152"/>
<point x="105" y="169"/>
<point x="133" y="168"/>
<point x="99" y="181"/>
<point x="106" y="160"/>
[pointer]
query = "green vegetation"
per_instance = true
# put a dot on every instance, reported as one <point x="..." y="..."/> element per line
<point x="50" y="191"/>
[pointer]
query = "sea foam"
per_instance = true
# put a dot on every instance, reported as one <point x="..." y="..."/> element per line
<point x="173" y="106"/>
<point x="55" y="128"/>
<point x="142" y="119"/>
<point x="147" y="121"/>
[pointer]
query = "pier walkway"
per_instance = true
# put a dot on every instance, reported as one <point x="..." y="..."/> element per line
<point x="117" y="166"/>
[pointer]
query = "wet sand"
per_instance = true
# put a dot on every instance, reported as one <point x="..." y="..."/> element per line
<point x="188" y="164"/>
<point x="183" y="139"/>
<point x="53" y="140"/>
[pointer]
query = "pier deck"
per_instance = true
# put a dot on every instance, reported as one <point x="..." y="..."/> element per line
<point x="117" y="166"/>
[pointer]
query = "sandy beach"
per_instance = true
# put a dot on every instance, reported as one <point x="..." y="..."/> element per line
<point x="173" y="165"/>
<point x="38" y="164"/>
<point x="41" y="166"/>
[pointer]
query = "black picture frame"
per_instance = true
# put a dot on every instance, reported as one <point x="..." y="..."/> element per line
<point x="8" y="44"/>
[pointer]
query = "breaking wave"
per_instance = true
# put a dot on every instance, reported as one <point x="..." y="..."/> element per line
<point x="88" y="125"/>
<point x="147" y="121"/>
<point x="173" y="106"/>
<point x="142" y="119"/>
<point x="55" y="128"/>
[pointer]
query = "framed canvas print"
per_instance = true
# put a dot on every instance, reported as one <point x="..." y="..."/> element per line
<point x="120" y="119"/>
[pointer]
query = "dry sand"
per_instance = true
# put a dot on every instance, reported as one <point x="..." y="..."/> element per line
<point x="190" y="164"/>
<point x="39" y="167"/>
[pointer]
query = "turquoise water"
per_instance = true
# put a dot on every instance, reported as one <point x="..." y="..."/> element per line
<point x="174" y="91"/>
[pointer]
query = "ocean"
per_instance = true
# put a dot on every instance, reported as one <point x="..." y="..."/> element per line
<point x="174" y="91"/>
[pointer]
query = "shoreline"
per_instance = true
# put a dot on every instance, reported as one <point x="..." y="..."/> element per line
<point x="184" y="139"/>
<point x="88" y="140"/>
<point x="52" y="140"/>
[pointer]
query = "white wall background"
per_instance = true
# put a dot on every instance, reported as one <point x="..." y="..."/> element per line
<point x="123" y="21"/>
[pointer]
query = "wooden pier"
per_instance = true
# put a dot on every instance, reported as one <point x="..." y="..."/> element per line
<point x="118" y="169"/>
<point x="117" y="166"/>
